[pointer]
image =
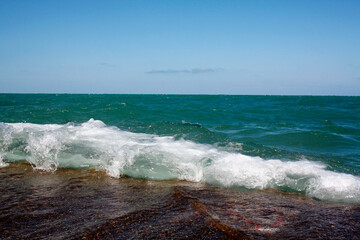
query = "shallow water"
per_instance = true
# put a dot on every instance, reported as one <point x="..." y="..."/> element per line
<point x="88" y="204"/>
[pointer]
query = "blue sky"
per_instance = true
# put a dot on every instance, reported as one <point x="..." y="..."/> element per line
<point x="190" y="47"/>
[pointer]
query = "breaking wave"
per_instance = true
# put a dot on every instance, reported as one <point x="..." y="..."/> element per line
<point x="94" y="145"/>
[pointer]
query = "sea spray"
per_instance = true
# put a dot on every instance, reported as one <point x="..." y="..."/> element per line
<point x="93" y="144"/>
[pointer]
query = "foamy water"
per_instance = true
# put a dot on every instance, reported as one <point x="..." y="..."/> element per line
<point x="95" y="145"/>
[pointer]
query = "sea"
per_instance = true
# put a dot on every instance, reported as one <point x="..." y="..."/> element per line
<point x="104" y="166"/>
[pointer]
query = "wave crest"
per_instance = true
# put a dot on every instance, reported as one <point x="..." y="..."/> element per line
<point x="94" y="145"/>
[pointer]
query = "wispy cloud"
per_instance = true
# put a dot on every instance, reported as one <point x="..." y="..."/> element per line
<point x="192" y="70"/>
<point x="105" y="64"/>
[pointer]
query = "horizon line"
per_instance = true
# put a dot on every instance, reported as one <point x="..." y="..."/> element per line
<point x="189" y="94"/>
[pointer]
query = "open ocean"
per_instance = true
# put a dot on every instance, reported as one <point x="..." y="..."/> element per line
<point x="105" y="166"/>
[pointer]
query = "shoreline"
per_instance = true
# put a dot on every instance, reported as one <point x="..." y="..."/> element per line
<point x="76" y="204"/>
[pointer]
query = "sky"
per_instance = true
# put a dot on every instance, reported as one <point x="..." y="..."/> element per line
<point x="180" y="47"/>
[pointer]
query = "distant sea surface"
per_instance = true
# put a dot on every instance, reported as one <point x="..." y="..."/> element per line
<point x="179" y="147"/>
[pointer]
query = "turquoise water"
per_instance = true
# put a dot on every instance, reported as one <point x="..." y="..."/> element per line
<point x="308" y="144"/>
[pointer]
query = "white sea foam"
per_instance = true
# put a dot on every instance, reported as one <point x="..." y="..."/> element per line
<point x="2" y="163"/>
<point x="95" y="145"/>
